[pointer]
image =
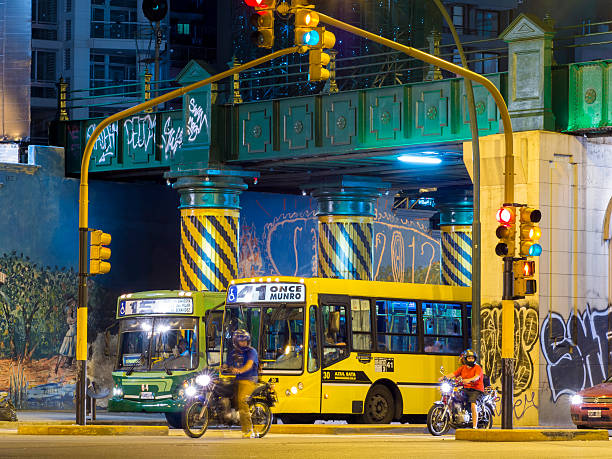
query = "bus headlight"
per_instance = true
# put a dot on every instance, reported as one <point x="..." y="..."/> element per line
<point x="117" y="391"/>
<point x="294" y="390"/>
<point x="203" y="380"/>
<point x="190" y="391"/>
<point x="446" y="388"/>
<point x="576" y="399"/>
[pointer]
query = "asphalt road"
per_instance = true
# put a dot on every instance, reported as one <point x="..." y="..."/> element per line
<point x="221" y="444"/>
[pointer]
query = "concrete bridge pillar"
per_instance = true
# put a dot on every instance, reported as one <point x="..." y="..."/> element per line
<point x="210" y="218"/>
<point x="346" y="209"/>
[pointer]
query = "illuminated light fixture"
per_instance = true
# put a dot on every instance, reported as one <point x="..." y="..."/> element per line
<point x="294" y="390"/>
<point x="311" y="38"/>
<point x="414" y="159"/>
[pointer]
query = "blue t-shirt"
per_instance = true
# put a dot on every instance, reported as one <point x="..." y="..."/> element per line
<point x="239" y="357"/>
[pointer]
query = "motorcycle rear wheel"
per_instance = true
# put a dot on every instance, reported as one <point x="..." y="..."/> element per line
<point x="194" y="425"/>
<point x="438" y="423"/>
<point x="261" y="417"/>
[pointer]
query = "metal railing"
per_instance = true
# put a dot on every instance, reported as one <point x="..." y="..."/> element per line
<point x="288" y="76"/>
<point x="122" y="30"/>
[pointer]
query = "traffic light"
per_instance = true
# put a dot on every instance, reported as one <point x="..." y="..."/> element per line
<point x="506" y="217"/>
<point x="263" y="20"/>
<point x="530" y="232"/>
<point x="305" y="22"/>
<point x="524" y="283"/>
<point x="155" y="10"/>
<point x="98" y="252"/>
<point x="317" y="59"/>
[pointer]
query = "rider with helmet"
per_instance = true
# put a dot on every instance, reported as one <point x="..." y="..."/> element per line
<point x="471" y="374"/>
<point x="243" y="362"/>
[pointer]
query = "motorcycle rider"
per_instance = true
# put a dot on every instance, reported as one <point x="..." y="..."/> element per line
<point x="471" y="374"/>
<point x="243" y="362"/>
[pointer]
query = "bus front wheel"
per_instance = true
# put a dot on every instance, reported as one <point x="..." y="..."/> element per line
<point x="174" y="420"/>
<point x="379" y="407"/>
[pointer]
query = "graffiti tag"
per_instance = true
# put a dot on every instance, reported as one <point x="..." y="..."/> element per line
<point x="574" y="350"/>
<point x="139" y="131"/>
<point x="172" y="138"/>
<point x="106" y="141"/>
<point x="196" y="120"/>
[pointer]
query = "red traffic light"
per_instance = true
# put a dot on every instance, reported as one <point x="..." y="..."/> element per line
<point x="505" y="216"/>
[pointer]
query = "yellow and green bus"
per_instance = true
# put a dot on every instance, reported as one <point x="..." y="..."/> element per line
<point x="347" y="349"/>
<point x="163" y="340"/>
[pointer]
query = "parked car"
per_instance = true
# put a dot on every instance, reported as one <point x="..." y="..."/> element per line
<point x="592" y="407"/>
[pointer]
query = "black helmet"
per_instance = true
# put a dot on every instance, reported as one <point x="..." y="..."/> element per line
<point x="468" y="353"/>
<point x="241" y="335"/>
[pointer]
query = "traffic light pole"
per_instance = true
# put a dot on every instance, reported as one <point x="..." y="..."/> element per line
<point x="81" y="350"/>
<point x="507" y="304"/>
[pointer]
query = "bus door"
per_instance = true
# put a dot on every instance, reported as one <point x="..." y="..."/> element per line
<point x="335" y="377"/>
<point x="213" y="320"/>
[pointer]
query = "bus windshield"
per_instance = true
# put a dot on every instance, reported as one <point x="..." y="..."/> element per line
<point x="277" y="332"/>
<point x="162" y="343"/>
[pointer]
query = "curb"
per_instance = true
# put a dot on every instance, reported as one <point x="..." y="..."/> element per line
<point x="531" y="435"/>
<point x="37" y="429"/>
<point x="344" y="429"/>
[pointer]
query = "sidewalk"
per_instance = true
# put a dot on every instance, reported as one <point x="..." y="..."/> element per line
<point x="102" y="418"/>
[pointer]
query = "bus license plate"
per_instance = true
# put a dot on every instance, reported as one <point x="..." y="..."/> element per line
<point x="146" y="395"/>
<point x="594" y="413"/>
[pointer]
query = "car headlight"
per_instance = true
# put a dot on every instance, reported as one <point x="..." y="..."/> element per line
<point x="203" y="380"/>
<point x="190" y="391"/>
<point x="446" y="388"/>
<point x="576" y="399"/>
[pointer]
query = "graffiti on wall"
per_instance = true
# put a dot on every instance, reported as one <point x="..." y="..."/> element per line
<point x="105" y="144"/>
<point x="38" y="332"/>
<point x="525" y="338"/>
<point x="404" y="249"/>
<point x="576" y="350"/>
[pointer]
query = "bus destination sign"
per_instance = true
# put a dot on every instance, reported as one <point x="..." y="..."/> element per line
<point x="156" y="306"/>
<point x="266" y="293"/>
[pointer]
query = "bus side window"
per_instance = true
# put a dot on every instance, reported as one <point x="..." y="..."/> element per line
<point x="335" y="334"/>
<point x="361" y="324"/>
<point x="443" y="328"/>
<point x="313" y="350"/>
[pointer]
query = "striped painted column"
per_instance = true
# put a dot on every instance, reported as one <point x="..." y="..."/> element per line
<point x="209" y="248"/>
<point x="456" y="263"/>
<point x="345" y="209"/>
<point x="345" y="247"/>
<point x="210" y="232"/>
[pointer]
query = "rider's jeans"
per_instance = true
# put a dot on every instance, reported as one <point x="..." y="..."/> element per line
<point x="243" y="390"/>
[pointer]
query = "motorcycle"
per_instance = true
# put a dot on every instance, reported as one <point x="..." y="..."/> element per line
<point x="210" y="402"/>
<point x="7" y="409"/>
<point x="453" y="409"/>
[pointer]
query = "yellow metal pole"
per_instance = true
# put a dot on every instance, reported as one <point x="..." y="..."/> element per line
<point x="81" y="348"/>
<point x="499" y="100"/>
<point x="507" y="304"/>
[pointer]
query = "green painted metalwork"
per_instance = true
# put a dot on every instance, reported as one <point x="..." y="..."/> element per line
<point x="590" y="95"/>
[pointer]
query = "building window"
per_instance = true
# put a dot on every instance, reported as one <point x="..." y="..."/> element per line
<point x="68" y="29"/>
<point x="43" y="66"/>
<point x="68" y="6"/>
<point x="457" y="15"/>
<point x="182" y="29"/>
<point x="487" y="23"/>
<point x="485" y="62"/>
<point x="67" y="58"/>
<point x="44" y="11"/>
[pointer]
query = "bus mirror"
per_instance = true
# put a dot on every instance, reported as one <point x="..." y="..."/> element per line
<point x="334" y="322"/>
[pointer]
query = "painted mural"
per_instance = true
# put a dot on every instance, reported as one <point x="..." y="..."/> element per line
<point x="38" y="332"/>
<point x="279" y="235"/>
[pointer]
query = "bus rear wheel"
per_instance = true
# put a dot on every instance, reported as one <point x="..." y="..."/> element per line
<point x="174" y="420"/>
<point x="379" y="407"/>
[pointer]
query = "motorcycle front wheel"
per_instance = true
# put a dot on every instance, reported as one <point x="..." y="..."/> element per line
<point x="438" y="423"/>
<point x="195" y="425"/>
<point x="486" y="419"/>
<point x="261" y="417"/>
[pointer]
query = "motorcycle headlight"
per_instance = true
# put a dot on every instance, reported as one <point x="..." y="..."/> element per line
<point x="576" y="399"/>
<point x="190" y="391"/>
<point x="446" y="388"/>
<point x="203" y="380"/>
